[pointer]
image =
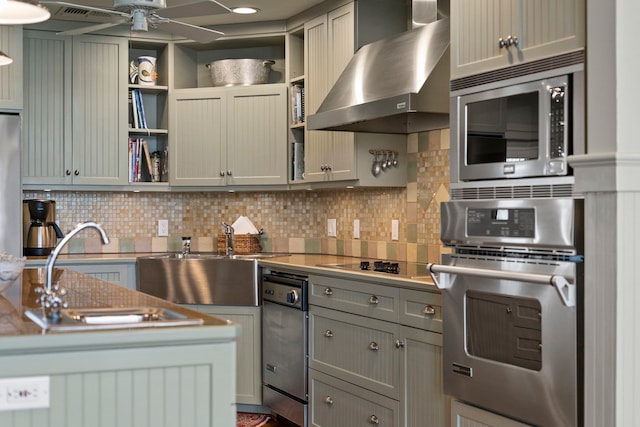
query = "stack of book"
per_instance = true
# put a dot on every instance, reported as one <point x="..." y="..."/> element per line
<point x="139" y="120"/>
<point x="139" y="154"/>
<point x="297" y="103"/>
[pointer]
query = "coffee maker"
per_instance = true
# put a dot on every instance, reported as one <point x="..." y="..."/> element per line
<point x="40" y="231"/>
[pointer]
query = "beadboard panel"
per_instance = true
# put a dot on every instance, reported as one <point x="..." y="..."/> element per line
<point x="45" y="154"/>
<point x="255" y="118"/>
<point x="11" y="75"/>
<point x="378" y="370"/>
<point x="189" y="386"/>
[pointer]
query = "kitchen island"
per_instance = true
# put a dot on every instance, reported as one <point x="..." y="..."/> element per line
<point x="157" y="376"/>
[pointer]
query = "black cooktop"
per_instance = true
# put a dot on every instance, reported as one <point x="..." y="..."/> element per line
<point x="400" y="269"/>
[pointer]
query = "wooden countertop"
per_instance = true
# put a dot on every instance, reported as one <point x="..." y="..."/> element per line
<point x="84" y="291"/>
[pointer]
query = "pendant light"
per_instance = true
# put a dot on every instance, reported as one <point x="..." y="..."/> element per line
<point x="19" y="12"/>
<point x="5" y="59"/>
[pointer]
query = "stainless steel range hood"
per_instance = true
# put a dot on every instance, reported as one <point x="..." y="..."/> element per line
<point x="396" y="85"/>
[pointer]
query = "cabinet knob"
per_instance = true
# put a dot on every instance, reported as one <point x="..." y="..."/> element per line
<point x="323" y="168"/>
<point x="429" y="310"/>
<point x="374" y="420"/>
<point x="67" y="172"/>
<point x="328" y="333"/>
<point x="221" y="173"/>
<point x="373" y="346"/>
<point x="512" y="41"/>
<point x="399" y="344"/>
<point x="373" y="299"/>
<point x="228" y="173"/>
<point x="76" y="172"/>
<point x="501" y="43"/>
<point x="328" y="291"/>
<point x="328" y="400"/>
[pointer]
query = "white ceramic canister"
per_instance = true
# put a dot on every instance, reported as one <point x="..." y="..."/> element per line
<point x="147" y="74"/>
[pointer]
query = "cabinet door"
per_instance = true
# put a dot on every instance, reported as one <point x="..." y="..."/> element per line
<point x="123" y="274"/>
<point x="257" y="135"/>
<point x="249" y="344"/>
<point x="46" y="131"/>
<point x="470" y="416"/>
<point x="424" y="401"/>
<point x="11" y="79"/>
<point x="543" y="28"/>
<point x="198" y="136"/>
<point x="100" y="115"/>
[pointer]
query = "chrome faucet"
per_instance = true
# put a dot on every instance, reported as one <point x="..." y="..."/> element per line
<point x="228" y="231"/>
<point x="186" y="245"/>
<point x="50" y="297"/>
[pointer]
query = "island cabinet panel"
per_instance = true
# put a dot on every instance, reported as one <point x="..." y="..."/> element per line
<point x="11" y="75"/>
<point x="249" y="344"/>
<point x="164" y="386"/>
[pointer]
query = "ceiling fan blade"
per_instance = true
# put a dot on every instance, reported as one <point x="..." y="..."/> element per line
<point x="83" y="7"/>
<point x="201" y="8"/>
<point x="193" y="32"/>
<point x="92" y="28"/>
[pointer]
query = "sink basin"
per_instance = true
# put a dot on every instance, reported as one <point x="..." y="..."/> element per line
<point x="85" y="319"/>
<point x="204" y="279"/>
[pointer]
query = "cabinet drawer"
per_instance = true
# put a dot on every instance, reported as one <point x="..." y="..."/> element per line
<point x="366" y="299"/>
<point x="356" y="349"/>
<point x="334" y="403"/>
<point x="421" y="310"/>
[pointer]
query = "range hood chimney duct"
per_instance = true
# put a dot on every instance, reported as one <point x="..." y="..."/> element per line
<point x="397" y="85"/>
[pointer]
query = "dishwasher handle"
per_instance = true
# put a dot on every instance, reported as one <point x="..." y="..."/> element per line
<point x="566" y="290"/>
<point x="285" y="279"/>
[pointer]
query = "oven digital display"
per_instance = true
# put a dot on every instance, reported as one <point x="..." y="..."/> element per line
<point x="501" y="222"/>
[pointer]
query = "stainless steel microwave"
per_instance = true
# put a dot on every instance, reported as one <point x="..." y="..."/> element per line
<point x="518" y="128"/>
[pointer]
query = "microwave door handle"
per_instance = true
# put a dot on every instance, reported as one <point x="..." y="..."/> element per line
<point x="566" y="290"/>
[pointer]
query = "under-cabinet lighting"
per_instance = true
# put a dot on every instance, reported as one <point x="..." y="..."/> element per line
<point x="5" y="59"/>
<point x="245" y="10"/>
<point x="19" y="12"/>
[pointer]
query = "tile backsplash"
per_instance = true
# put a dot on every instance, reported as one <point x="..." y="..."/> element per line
<point x="293" y="221"/>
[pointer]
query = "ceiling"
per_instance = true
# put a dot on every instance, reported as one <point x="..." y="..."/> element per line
<point x="270" y="10"/>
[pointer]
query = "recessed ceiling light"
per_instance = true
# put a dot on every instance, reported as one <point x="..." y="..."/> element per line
<point x="244" y="10"/>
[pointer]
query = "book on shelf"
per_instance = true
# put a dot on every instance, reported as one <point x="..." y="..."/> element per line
<point x="137" y="105"/>
<point x="138" y="154"/>
<point x="297" y="103"/>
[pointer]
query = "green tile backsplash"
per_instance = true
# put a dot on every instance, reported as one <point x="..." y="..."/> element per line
<point x="293" y="221"/>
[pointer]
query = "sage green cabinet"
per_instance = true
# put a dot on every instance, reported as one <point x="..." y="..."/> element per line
<point x="228" y="136"/>
<point x="11" y="78"/>
<point x="249" y="345"/>
<point x="543" y="28"/>
<point x="375" y="355"/>
<point x="329" y="45"/>
<point x="75" y="109"/>
<point x="470" y="416"/>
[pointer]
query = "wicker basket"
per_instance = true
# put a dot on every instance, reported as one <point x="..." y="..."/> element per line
<point x="242" y="243"/>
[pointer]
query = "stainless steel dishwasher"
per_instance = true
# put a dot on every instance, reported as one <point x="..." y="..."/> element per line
<point x="285" y="346"/>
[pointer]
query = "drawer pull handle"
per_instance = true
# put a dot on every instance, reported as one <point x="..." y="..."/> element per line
<point x="328" y="333"/>
<point x="399" y="344"/>
<point x="374" y="420"/>
<point x="373" y="346"/>
<point x="373" y="299"/>
<point x="328" y="400"/>
<point x="328" y="291"/>
<point x="429" y="310"/>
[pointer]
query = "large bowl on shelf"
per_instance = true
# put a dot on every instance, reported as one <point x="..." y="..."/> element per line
<point x="240" y="72"/>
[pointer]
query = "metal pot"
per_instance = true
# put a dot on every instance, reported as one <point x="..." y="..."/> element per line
<point x="234" y="72"/>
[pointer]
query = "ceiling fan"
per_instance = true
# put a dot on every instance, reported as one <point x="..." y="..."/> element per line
<point x="142" y="14"/>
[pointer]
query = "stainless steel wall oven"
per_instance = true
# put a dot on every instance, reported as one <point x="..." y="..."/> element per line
<point x="512" y="293"/>
<point x="285" y="347"/>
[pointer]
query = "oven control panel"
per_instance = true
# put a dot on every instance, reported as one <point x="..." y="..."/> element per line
<point x="501" y="222"/>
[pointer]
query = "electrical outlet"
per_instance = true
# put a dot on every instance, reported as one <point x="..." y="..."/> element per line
<point x="331" y="227"/>
<point x="24" y="393"/>
<point x="395" y="226"/>
<point x="356" y="228"/>
<point x="163" y="228"/>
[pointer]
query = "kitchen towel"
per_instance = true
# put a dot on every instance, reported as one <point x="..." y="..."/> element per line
<point x="244" y="226"/>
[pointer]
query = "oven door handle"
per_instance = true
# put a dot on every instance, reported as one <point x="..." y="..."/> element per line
<point x="566" y="290"/>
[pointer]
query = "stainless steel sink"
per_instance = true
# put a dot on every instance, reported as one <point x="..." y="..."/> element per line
<point x="200" y="278"/>
<point x="84" y="319"/>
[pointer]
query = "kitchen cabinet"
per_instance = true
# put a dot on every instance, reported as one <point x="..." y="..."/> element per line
<point x="228" y="136"/>
<point x="470" y="416"/>
<point x="543" y="28"/>
<point x="375" y="354"/>
<point x="11" y="78"/>
<point x="123" y="274"/>
<point x="75" y="109"/>
<point x="249" y="345"/>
